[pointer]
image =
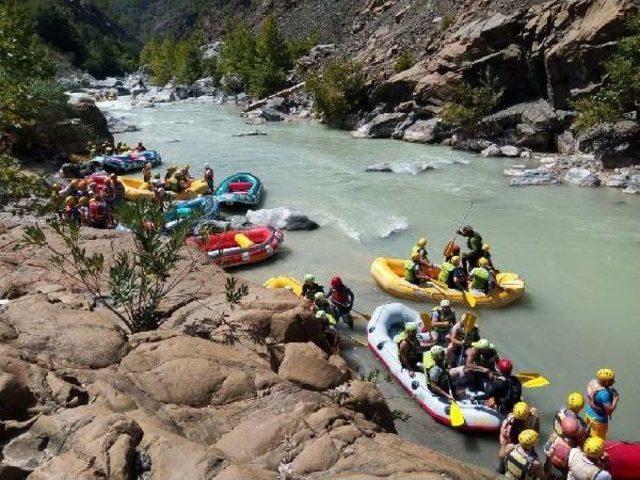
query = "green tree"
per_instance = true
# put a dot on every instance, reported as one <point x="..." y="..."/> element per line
<point x="188" y="59"/>
<point x="273" y="59"/>
<point x="238" y="56"/>
<point x="621" y="91"/>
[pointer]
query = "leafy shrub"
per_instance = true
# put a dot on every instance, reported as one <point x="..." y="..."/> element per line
<point x="446" y="22"/>
<point x="404" y="61"/>
<point x="468" y="104"/>
<point x="621" y="92"/>
<point x="338" y="90"/>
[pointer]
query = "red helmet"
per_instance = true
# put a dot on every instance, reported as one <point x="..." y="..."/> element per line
<point x="505" y="366"/>
<point x="336" y="282"/>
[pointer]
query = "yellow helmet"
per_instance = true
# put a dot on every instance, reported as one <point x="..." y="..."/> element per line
<point x="486" y="247"/>
<point x="593" y="447"/>
<point x="422" y="242"/>
<point x="575" y="401"/>
<point x="455" y="260"/>
<point x="605" y="375"/>
<point x="521" y="410"/>
<point x="483" y="262"/>
<point x="415" y="257"/>
<point x="528" y="438"/>
<point x="70" y="200"/>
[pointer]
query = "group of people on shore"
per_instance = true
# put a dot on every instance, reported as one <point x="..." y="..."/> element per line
<point x="457" y="363"/>
<point x="575" y="450"/>
<point x="90" y="203"/>
<point x="330" y="307"/>
<point x="472" y="270"/>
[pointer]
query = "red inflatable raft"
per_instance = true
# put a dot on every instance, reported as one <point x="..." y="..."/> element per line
<point x="624" y="458"/>
<point x="240" y="247"/>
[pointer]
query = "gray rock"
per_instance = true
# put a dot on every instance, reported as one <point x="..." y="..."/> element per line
<point x="277" y="103"/>
<point x="614" y="145"/>
<point x="510" y="151"/>
<point x="582" y="177"/>
<point x="565" y="143"/>
<point x="491" y="151"/>
<point x="202" y="87"/>
<point x="619" y="180"/>
<point x="536" y="176"/>
<point x="255" y="133"/>
<point x="381" y="126"/>
<point x="433" y="130"/>
<point x="300" y="223"/>
<point x="231" y="84"/>
<point x="379" y="167"/>
<point x="630" y="190"/>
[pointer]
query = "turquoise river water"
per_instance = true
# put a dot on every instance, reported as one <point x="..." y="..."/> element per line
<point x="578" y="248"/>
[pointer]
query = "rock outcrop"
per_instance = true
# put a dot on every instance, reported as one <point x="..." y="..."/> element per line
<point x="215" y="392"/>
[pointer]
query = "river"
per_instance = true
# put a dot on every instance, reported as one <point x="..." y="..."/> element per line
<point x="577" y="248"/>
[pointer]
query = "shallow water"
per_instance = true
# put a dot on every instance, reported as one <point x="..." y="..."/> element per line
<point x="578" y="248"/>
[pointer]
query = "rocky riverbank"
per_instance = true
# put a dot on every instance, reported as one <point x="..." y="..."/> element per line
<point x="216" y="392"/>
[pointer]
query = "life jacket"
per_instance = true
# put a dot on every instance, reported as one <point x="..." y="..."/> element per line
<point x="557" y="450"/>
<point x="471" y="337"/>
<point x="480" y="279"/>
<point x="428" y="364"/>
<point x="414" y="345"/>
<point x="96" y="212"/>
<point x="511" y="395"/>
<point x="208" y="175"/>
<point x="519" y="464"/>
<point x="330" y="321"/>
<point x="510" y="429"/>
<point x="475" y="243"/>
<point x="340" y="296"/>
<point x="593" y="387"/>
<point x="446" y="270"/>
<point x="420" y="251"/>
<point x="557" y="424"/>
<point x="409" y="271"/>
<point x="581" y="467"/>
<point x="449" y="317"/>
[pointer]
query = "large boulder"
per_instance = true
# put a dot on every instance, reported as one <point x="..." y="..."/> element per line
<point x="307" y="365"/>
<point x="433" y="130"/>
<point x="615" y="145"/>
<point x="366" y="398"/>
<point x="582" y="177"/>
<point x="528" y="124"/>
<point x="381" y="126"/>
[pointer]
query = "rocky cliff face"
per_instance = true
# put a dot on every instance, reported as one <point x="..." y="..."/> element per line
<point x="248" y="395"/>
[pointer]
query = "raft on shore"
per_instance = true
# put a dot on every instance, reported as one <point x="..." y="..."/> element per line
<point x="285" y="282"/>
<point x="389" y="320"/>
<point x="240" y="247"/>
<point x="389" y="274"/>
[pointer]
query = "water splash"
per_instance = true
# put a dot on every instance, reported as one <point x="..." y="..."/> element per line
<point x="396" y="225"/>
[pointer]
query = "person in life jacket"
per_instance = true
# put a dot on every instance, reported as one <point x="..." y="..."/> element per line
<point x="328" y="325"/>
<point x="83" y="210"/>
<point x="320" y="302"/>
<point x="146" y="174"/>
<point x="209" y="177"/>
<point x="474" y="244"/>
<point x="483" y="354"/>
<point x="310" y="287"/>
<point x="505" y="389"/>
<point x="480" y="278"/>
<point x="435" y="371"/>
<point x="486" y="253"/>
<point x="558" y="447"/>
<point x="119" y="187"/>
<point x="409" y="350"/>
<point x="443" y="318"/>
<point x="522" y="417"/>
<point x="412" y="270"/>
<point x="140" y="148"/>
<point x="70" y="212"/>
<point x="521" y="460"/>
<point x="342" y="299"/>
<point x="421" y="249"/>
<point x="575" y="404"/>
<point x="98" y="212"/>
<point x="448" y="272"/>
<point x="602" y="401"/>
<point x="463" y="335"/>
<point x="590" y="462"/>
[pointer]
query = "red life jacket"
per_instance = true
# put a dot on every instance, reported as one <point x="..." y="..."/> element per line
<point x="96" y="212"/>
<point x="559" y="453"/>
<point x="339" y="296"/>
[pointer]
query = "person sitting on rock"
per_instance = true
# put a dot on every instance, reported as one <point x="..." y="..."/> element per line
<point x="409" y="351"/>
<point x="310" y="287"/>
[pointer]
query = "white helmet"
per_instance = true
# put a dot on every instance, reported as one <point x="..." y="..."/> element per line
<point x="445" y="303"/>
<point x="437" y="351"/>
<point x="319" y="296"/>
<point x="309" y="278"/>
<point x="321" y="314"/>
<point x="206" y="165"/>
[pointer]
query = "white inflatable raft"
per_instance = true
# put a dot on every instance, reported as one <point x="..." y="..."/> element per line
<point x="386" y="322"/>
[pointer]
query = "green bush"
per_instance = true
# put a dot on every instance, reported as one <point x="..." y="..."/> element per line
<point x="621" y="92"/>
<point x="404" y="61"/>
<point x="446" y="22"/>
<point x="338" y="90"/>
<point x="467" y="104"/>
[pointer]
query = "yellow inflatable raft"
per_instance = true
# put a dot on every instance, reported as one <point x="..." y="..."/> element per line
<point x="134" y="189"/>
<point x="285" y="282"/>
<point x="389" y="273"/>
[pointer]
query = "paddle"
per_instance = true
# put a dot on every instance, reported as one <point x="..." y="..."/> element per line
<point x="449" y="246"/>
<point x="532" y="379"/>
<point x="456" y="417"/>
<point x="470" y="298"/>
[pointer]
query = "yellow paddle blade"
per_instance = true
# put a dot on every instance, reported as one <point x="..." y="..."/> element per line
<point x="426" y="320"/>
<point x="470" y="322"/>
<point x="524" y="376"/>
<point x="455" y="415"/>
<point x="536" y="383"/>
<point x="470" y="299"/>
